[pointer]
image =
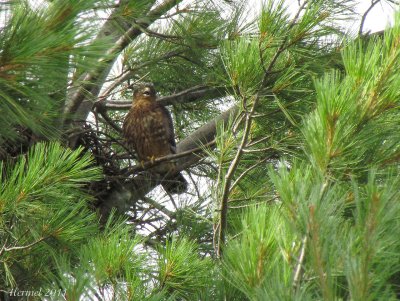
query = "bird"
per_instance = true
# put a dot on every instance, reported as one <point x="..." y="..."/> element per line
<point x="148" y="130"/>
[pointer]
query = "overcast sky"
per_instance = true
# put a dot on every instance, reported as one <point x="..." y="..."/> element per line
<point x="378" y="18"/>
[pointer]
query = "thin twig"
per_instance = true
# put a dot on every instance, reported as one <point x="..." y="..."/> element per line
<point x="250" y="204"/>
<point x="110" y="138"/>
<point x="299" y="267"/>
<point x="250" y="144"/>
<point x="262" y="197"/>
<point x="159" y="207"/>
<point x="152" y="33"/>
<point x="257" y="150"/>
<point x="178" y="12"/>
<point x="26" y="246"/>
<point x="185" y="96"/>
<point x="172" y="200"/>
<point x="4" y="246"/>
<point x="130" y="73"/>
<point x="107" y="119"/>
<point x="108" y="59"/>
<point x="159" y="160"/>
<point x="244" y="173"/>
<point x="364" y="17"/>
<point x="194" y="185"/>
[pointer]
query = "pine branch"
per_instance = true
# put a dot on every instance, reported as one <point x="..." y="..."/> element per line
<point x="229" y="177"/>
<point x="223" y="220"/>
<point x="93" y="79"/>
<point x="186" y="96"/>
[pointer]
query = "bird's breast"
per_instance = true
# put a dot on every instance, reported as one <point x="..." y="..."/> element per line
<point x="145" y="128"/>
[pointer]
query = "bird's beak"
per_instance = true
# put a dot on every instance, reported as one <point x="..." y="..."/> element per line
<point x="147" y="92"/>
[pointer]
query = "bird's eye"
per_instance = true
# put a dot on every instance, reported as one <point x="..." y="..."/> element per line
<point x="146" y="93"/>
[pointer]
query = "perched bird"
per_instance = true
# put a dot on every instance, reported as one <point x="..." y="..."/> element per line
<point x="148" y="129"/>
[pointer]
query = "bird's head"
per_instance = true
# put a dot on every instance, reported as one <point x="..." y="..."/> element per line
<point x="144" y="91"/>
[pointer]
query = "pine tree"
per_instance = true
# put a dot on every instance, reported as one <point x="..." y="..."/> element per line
<point x="286" y="129"/>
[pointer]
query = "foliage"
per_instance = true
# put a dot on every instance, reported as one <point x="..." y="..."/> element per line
<point x="294" y="194"/>
<point x="44" y="211"/>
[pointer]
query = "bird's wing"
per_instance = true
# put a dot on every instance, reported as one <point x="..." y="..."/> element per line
<point x="128" y="129"/>
<point x="169" y="126"/>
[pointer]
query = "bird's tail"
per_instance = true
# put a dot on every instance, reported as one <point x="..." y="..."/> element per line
<point x="176" y="184"/>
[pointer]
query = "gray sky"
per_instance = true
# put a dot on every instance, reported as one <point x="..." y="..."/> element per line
<point x="378" y="18"/>
<point x="381" y="15"/>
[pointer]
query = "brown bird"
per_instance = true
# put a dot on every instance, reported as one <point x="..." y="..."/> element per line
<point x="148" y="129"/>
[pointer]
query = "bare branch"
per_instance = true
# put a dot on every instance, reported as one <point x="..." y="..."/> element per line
<point x="185" y="96"/>
<point x="99" y="107"/>
<point x="159" y="207"/>
<point x="24" y="247"/>
<point x="299" y="266"/>
<point x="152" y="33"/>
<point x="364" y="17"/>
<point x="190" y="95"/>
<point x="3" y="248"/>
<point x="157" y="161"/>
<point x="130" y="73"/>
